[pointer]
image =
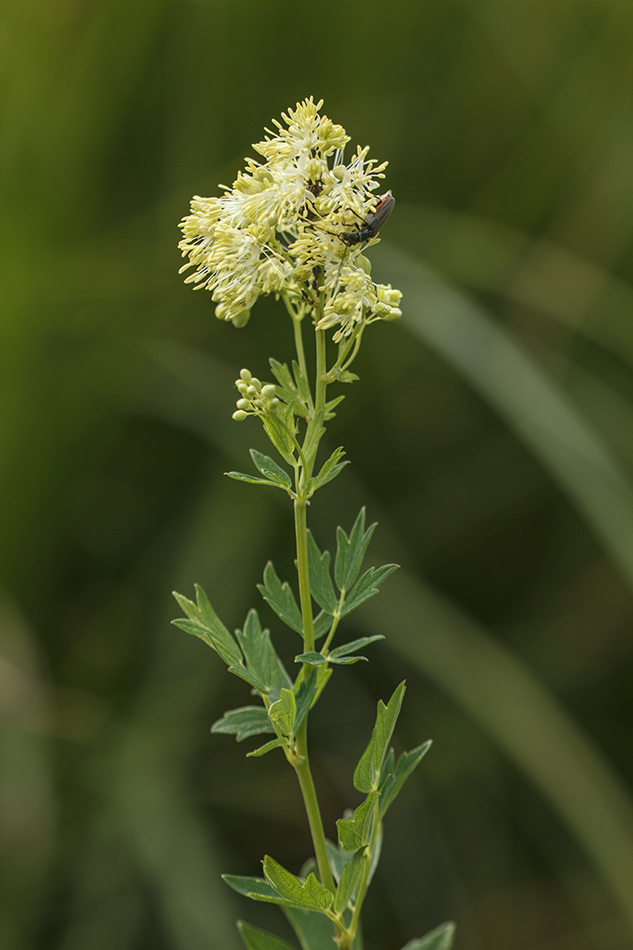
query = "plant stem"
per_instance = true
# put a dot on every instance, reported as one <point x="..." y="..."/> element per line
<point x="302" y="763"/>
<point x="301" y="536"/>
<point x="302" y="768"/>
<point x="321" y="383"/>
<point x="301" y="358"/>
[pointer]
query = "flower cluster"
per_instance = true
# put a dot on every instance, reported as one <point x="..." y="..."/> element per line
<point x="291" y="225"/>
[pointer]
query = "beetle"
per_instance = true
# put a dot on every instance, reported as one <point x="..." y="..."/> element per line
<point x="372" y="224"/>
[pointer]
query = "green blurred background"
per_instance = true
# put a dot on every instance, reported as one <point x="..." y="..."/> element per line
<point x="491" y="435"/>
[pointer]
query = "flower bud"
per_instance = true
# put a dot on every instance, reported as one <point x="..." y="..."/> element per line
<point x="239" y="415"/>
<point x="241" y="319"/>
<point x="394" y="314"/>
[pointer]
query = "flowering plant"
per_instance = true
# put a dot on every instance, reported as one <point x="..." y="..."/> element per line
<point x="296" y="225"/>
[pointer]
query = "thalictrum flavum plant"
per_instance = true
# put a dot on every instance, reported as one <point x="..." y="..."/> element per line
<point x="296" y="225"/>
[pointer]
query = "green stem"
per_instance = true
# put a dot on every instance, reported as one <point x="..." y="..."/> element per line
<point x="301" y="357"/>
<point x="321" y="368"/>
<point x="301" y="536"/>
<point x="302" y="762"/>
<point x="302" y="768"/>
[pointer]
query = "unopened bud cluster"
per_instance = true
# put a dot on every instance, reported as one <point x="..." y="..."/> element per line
<point x="256" y="398"/>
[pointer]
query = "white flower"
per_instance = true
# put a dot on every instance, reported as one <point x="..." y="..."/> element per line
<point x="284" y="227"/>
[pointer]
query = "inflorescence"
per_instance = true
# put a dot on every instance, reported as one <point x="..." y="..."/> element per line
<point x="284" y="228"/>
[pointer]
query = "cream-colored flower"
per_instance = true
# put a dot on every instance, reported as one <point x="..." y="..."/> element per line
<point x="284" y="227"/>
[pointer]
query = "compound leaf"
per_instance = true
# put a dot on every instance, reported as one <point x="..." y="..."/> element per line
<point x="350" y="551"/>
<point x="310" y="894"/>
<point x="330" y="469"/>
<point x="263" y="749"/>
<point x="204" y="623"/>
<point x="257" y="889"/>
<point x="367" y="773"/>
<point x="354" y="832"/>
<point x="269" y="469"/>
<point x="407" y="762"/>
<point x="281" y="598"/>
<point x="350" y="879"/>
<point x="283" y="713"/>
<point x="321" y="586"/>
<point x="367" y="586"/>
<point x="243" y="722"/>
<point x="259" y="652"/>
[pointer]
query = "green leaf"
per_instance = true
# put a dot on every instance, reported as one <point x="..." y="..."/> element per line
<point x="367" y="773"/>
<point x="248" y="677"/>
<point x="259" y="652"/>
<point x="303" y="387"/>
<point x="354" y="832"/>
<point x="347" y="649"/>
<point x="407" y="762"/>
<point x="344" y="376"/>
<point x="243" y="722"/>
<point x="305" y="697"/>
<point x="321" y="586"/>
<point x="367" y="586"/>
<point x="256" y="939"/>
<point x="283" y="713"/>
<point x="253" y="480"/>
<point x="322" y="624"/>
<point x="310" y="894"/>
<point x="342" y="656"/>
<point x="313" y="433"/>
<point x="337" y="858"/>
<point x="284" y="683"/>
<point x="283" y="377"/>
<point x="278" y="428"/>
<point x="439" y="939"/>
<point x="375" y="856"/>
<point x="281" y="598"/>
<point x="269" y="468"/>
<point x="312" y="659"/>
<point x="208" y="627"/>
<point x="350" y="551"/>
<point x="350" y="879"/>
<point x="330" y="469"/>
<point x="323" y="674"/>
<point x="331" y="405"/>
<point x="315" y="931"/>
<point x="263" y="749"/>
<point x="257" y="889"/>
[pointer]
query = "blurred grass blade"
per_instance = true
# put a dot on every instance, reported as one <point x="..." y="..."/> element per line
<point x="531" y="403"/>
